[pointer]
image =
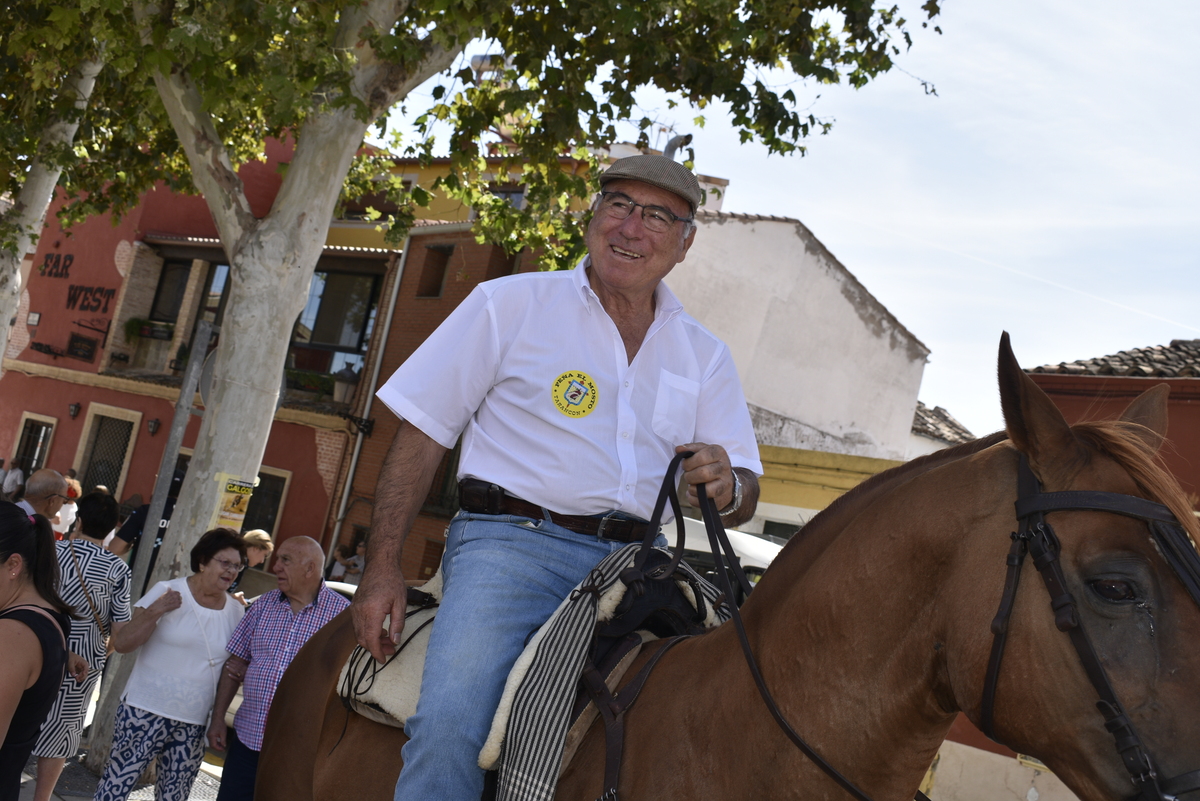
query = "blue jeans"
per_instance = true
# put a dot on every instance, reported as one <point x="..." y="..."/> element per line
<point x="503" y="577"/>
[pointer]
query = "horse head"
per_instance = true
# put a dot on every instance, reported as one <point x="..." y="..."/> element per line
<point x="1131" y="607"/>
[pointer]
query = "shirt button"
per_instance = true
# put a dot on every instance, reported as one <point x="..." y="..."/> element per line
<point x="626" y="383"/>
<point x="625" y="434"/>
<point x="628" y="486"/>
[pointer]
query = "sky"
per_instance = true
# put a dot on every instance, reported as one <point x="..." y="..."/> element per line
<point x="1050" y="189"/>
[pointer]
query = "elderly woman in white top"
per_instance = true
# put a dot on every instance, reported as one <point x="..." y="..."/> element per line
<point x="181" y="627"/>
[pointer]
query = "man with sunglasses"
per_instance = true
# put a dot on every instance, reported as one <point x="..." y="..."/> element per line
<point x="572" y="392"/>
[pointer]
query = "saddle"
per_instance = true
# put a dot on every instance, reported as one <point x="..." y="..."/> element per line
<point x="569" y="672"/>
<point x="626" y="617"/>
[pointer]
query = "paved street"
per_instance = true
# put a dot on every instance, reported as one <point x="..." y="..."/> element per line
<point x="77" y="783"/>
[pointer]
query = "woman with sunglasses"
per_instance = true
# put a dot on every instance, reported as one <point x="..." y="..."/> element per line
<point x="179" y="628"/>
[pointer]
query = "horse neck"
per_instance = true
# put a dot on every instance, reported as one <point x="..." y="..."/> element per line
<point x="852" y="626"/>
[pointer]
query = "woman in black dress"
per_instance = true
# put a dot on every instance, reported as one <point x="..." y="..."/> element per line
<point x="34" y="624"/>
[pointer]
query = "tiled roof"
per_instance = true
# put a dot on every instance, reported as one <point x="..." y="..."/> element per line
<point x="938" y="423"/>
<point x="423" y="223"/>
<point x="146" y="377"/>
<point x="1181" y="359"/>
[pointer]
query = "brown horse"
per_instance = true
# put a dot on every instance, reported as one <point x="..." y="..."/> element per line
<point x="872" y="631"/>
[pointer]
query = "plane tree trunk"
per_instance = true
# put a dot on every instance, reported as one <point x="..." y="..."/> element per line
<point x="27" y="215"/>
<point x="271" y="262"/>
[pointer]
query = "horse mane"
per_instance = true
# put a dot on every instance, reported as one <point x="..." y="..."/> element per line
<point x="1123" y="442"/>
<point x="1119" y="440"/>
<point x="862" y="494"/>
<point x="913" y="468"/>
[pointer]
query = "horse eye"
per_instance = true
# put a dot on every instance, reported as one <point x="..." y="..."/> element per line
<point x="1114" y="590"/>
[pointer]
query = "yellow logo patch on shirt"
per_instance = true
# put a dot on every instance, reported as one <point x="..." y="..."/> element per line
<point x="574" y="393"/>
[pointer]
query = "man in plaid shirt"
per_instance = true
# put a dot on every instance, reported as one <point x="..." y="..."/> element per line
<point x="263" y="645"/>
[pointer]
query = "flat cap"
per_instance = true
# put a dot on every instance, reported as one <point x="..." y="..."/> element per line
<point x="657" y="171"/>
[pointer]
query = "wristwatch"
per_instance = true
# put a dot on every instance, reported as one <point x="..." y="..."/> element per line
<point x="737" y="496"/>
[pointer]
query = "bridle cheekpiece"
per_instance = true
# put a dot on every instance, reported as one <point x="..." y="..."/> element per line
<point x="1036" y="538"/>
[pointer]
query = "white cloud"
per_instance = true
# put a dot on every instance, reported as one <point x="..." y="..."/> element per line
<point x="1050" y="188"/>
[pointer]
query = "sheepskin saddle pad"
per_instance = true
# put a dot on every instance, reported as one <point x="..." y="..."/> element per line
<point x="388" y="693"/>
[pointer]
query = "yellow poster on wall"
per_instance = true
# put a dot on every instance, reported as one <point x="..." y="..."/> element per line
<point x="235" y="498"/>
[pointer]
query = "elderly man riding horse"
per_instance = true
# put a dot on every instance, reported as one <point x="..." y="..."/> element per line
<point x="572" y="391"/>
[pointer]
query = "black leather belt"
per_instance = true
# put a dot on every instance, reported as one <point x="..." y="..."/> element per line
<point x="483" y="498"/>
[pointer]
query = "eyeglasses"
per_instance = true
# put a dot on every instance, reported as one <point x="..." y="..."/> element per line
<point x="657" y="219"/>
<point x="225" y="564"/>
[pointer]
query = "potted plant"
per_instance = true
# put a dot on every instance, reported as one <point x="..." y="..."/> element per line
<point x="135" y="329"/>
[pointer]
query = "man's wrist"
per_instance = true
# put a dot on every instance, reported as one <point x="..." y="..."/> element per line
<point x="737" y="496"/>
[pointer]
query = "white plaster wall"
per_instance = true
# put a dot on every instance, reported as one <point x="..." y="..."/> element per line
<point x="810" y="342"/>
<point x="919" y="445"/>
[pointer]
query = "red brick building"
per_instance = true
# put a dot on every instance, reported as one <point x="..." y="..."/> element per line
<point x="107" y="322"/>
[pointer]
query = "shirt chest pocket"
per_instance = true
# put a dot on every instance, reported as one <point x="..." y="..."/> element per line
<point x="675" y="408"/>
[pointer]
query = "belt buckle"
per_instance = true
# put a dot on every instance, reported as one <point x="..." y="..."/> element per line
<point x="604" y="524"/>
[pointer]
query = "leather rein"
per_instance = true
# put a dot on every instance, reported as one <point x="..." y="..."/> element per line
<point x="1036" y="537"/>
<point x="719" y="541"/>
<point x="613" y="709"/>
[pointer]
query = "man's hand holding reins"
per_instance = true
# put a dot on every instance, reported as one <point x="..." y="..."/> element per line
<point x="382" y="592"/>
<point x="709" y="465"/>
<point x="404" y="483"/>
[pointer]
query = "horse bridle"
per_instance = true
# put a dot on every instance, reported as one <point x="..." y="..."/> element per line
<point x="1037" y="538"/>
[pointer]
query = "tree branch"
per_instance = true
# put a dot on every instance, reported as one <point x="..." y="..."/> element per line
<point x="212" y="169"/>
<point x="25" y="219"/>
<point x="329" y="138"/>
<point x="392" y="83"/>
<point x="28" y="212"/>
<point x="380" y="84"/>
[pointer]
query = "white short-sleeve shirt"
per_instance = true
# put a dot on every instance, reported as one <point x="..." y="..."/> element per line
<point x="177" y="669"/>
<point x="532" y="371"/>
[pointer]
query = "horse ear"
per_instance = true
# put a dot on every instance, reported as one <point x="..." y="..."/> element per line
<point x="1034" y="423"/>
<point x="1149" y="410"/>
